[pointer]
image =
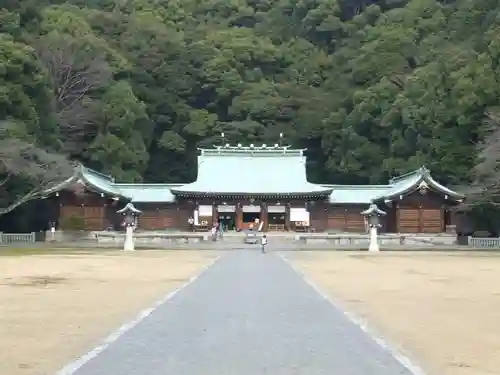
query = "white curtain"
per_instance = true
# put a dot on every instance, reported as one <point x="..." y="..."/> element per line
<point x="299" y="214"/>
<point x="276" y="209"/>
<point x="205" y="211"/>
<point x="251" y="208"/>
<point x="226" y="208"/>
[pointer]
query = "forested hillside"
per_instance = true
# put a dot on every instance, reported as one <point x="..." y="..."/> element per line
<point x="133" y="87"/>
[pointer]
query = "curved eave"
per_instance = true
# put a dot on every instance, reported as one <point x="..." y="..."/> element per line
<point x="188" y="194"/>
<point x="93" y="187"/>
<point x="99" y="189"/>
<point x="431" y="185"/>
<point x="60" y="186"/>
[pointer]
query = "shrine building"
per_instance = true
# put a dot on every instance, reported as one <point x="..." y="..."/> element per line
<point x="241" y="186"/>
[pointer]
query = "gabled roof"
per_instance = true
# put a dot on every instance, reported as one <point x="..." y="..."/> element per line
<point x="416" y="180"/>
<point x="398" y="186"/>
<point x="90" y="178"/>
<point x="256" y="171"/>
<point x="102" y="183"/>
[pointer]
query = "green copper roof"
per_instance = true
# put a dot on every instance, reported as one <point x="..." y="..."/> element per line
<point x="148" y="193"/>
<point x="251" y="171"/>
<point x="90" y="178"/>
<point x="99" y="181"/>
<point x="256" y="171"/>
<point x="398" y="186"/>
<point x="356" y="194"/>
<point x="420" y="178"/>
<point x="96" y="181"/>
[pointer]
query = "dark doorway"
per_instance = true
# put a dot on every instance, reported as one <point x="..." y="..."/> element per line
<point x="227" y="220"/>
<point x="276" y="221"/>
<point x="250" y="217"/>
<point x="276" y="218"/>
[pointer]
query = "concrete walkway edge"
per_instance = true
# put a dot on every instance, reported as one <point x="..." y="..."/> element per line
<point x="74" y="366"/>
<point x="361" y="323"/>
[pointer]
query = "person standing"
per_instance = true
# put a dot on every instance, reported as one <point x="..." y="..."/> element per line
<point x="263" y="243"/>
<point x="191" y="224"/>
<point x="214" y="232"/>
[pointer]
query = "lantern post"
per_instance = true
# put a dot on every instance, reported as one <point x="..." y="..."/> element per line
<point x="130" y="213"/>
<point x="373" y="213"/>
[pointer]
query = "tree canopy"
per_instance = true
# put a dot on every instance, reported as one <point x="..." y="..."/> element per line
<point x="373" y="88"/>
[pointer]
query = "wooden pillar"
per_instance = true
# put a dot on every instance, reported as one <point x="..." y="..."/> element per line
<point x="322" y="216"/>
<point x="287" y="217"/>
<point x="239" y="216"/>
<point x="398" y="224"/>
<point x="264" y="216"/>
<point x="443" y="218"/>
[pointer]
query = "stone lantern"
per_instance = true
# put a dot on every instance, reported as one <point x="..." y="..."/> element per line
<point x="130" y="214"/>
<point x="373" y="214"/>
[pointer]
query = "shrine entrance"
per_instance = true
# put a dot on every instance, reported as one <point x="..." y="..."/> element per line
<point x="251" y="217"/>
<point x="226" y="214"/>
<point x="276" y="218"/>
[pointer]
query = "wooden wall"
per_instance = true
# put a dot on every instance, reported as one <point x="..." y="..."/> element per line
<point x="346" y="218"/>
<point x="319" y="216"/>
<point x="415" y="213"/>
<point x="163" y="216"/>
<point x="88" y="209"/>
<point x="420" y="213"/>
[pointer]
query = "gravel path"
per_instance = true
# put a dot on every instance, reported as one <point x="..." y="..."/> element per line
<point x="249" y="314"/>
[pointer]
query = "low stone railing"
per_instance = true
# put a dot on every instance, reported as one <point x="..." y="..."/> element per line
<point x="151" y="238"/>
<point x="480" y="242"/>
<point x="362" y="239"/>
<point x="17" y="238"/>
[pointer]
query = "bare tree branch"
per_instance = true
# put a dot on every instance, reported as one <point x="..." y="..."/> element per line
<point x="75" y="72"/>
<point x="39" y="170"/>
<point x="486" y="187"/>
<point x="6" y="179"/>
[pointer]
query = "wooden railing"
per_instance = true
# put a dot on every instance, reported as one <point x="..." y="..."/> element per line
<point x="276" y="227"/>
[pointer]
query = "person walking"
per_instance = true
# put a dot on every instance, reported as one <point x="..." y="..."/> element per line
<point x="214" y="232"/>
<point x="263" y="243"/>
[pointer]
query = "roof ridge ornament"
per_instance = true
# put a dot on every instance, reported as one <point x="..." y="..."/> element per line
<point x="425" y="171"/>
<point x="423" y="187"/>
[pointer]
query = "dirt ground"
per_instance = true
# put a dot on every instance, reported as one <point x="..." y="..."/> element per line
<point x="441" y="309"/>
<point x="54" y="308"/>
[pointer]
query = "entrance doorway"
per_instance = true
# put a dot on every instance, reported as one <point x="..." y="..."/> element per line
<point x="227" y="220"/>
<point x="226" y="215"/>
<point x="276" y="217"/>
<point x="250" y="217"/>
